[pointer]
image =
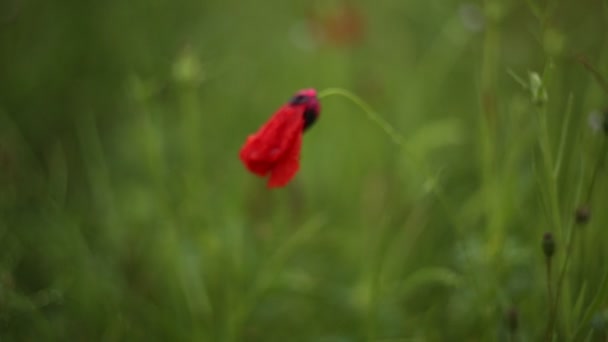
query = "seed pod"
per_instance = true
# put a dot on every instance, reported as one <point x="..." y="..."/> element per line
<point x="548" y="245"/>
<point x="511" y="319"/>
<point x="582" y="215"/>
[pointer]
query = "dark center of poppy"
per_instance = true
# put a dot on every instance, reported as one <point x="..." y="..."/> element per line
<point x="298" y="99"/>
<point x="311" y="109"/>
<point x="310" y="115"/>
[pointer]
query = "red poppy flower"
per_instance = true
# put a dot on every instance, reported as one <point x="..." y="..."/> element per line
<point x="275" y="148"/>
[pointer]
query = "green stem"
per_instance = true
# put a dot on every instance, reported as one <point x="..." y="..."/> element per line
<point x="560" y="281"/>
<point x="549" y="335"/>
<point x="399" y="141"/>
<point x="549" y="287"/>
<point x="367" y="109"/>
<point x="545" y="146"/>
<point x="598" y="166"/>
<point x="547" y="156"/>
<point x="374" y="117"/>
<point x="568" y="253"/>
<point x="395" y="136"/>
<point x="562" y="138"/>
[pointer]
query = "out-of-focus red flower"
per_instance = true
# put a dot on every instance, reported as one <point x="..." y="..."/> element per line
<point x="275" y="148"/>
<point x="342" y="26"/>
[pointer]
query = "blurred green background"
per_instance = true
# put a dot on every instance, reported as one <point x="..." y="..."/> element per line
<point x="126" y="215"/>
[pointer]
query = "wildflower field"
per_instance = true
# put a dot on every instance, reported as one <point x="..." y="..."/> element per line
<point x="453" y="186"/>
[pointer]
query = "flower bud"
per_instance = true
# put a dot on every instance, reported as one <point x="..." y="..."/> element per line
<point x="538" y="90"/>
<point x="548" y="245"/>
<point x="582" y="215"/>
<point x="511" y="320"/>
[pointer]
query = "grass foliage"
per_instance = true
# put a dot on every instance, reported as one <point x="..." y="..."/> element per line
<point x="125" y="214"/>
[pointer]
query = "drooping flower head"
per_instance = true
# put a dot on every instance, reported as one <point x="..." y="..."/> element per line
<point x="275" y="148"/>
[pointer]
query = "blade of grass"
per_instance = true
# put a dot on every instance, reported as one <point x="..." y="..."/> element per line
<point x="562" y="137"/>
<point x="598" y="300"/>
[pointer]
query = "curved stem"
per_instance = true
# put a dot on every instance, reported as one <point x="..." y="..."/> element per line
<point x="367" y="109"/>
<point x="431" y="184"/>
<point x="416" y="161"/>
<point x="373" y="116"/>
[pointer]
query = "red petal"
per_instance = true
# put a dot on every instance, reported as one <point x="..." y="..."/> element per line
<point x="258" y="166"/>
<point x="287" y="167"/>
<point x="276" y="146"/>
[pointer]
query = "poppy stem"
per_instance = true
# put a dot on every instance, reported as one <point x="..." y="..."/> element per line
<point x="373" y="116"/>
<point x="367" y="109"/>
<point x="431" y="184"/>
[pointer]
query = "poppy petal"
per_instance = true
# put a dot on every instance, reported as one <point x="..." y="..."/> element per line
<point x="286" y="168"/>
<point x="274" y="150"/>
<point x="251" y="158"/>
<point x="268" y="148"/>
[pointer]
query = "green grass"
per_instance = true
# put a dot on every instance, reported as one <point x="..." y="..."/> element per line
<point x="126" y="215"/>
